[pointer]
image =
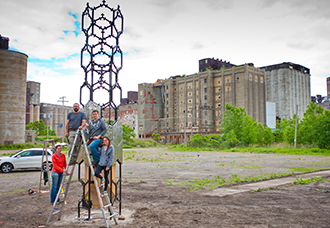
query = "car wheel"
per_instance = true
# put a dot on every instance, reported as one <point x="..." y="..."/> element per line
<point x="44" y="166"/>
<point x="6" y="167"/>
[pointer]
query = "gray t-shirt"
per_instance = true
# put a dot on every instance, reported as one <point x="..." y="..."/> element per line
<point x="98" y="127"/>
<point x="76" y="119"/>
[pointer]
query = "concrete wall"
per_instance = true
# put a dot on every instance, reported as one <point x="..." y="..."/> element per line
<point x="288" y="88"/>
<point x="13" y="69"/>
<point x="150" y="108"/>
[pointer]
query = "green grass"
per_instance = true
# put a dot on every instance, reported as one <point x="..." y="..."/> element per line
<point x="304" y="169"/>
<point x="20" y="146"/>
<point x="13" y="191"/>
<point x="254" y="149"/>
<point x="206" y="183"/>
<point x="138" y="143"/>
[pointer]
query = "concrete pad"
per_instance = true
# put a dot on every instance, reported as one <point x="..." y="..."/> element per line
<point x="264" y="184"/>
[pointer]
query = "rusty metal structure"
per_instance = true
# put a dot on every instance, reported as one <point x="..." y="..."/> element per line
<point x="101" y="60"/>
<point x="101" y="57"/>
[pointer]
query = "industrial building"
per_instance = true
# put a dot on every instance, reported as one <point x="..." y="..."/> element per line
<point x="55" y="116"/>
<point x="288" y="85"/>
<point x="32" y="101"/>
<point x="180" y="106"/>
<point x="13" y="72"/>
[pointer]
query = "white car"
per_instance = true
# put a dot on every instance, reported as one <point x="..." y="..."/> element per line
<point x="27" y="158"/>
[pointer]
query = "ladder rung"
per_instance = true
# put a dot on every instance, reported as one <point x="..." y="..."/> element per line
<point x="110" y="216"/>
<point x="109" y="205"/>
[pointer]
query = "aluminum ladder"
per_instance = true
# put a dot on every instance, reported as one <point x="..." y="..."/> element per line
<point x="72" y="161"/>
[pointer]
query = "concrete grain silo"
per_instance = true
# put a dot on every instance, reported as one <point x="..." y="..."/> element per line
<point x="13" y="72"/>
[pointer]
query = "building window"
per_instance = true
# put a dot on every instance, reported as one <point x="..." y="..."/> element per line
<point x="261" y="79"/>
<point x="205" y="97"/>
<point x="167" y="109"/>
<point x="167" y="87"/>
<point x="250" y="77"/>
<point x="256" y="78"/>
<point x="167" y="115"/>
<point x="167" y="95"/>
<point x="205" y="90"/>
<point x="205" y="80"/>
<point x="228" y="88"/>
<point x="166" y="102"/>
<point x="189" y="101"/>
<point x="167" y="124"/>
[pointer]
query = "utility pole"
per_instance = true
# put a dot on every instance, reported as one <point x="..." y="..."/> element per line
<point x="295" y="129"/>
<point x="185" y="132"/>
<point x="62" y="99"/>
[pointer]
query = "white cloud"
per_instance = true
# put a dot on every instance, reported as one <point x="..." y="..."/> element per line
<point x="167" y="38"/>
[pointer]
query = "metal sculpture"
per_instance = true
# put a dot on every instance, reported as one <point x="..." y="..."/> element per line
<point x="101" y="57"/>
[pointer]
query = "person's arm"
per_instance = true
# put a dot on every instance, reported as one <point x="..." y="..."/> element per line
<point x="83" y="123"/>
<point x="104" y="128"/>
<point x="67" y="128"/>
<point x="64" y="166"/>
<point x="111" y="155"/>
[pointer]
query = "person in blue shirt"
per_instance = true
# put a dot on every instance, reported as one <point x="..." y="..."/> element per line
<point x="76" y="120"/>
<point x="97" y="129"/>
<point x="107" y="153"/>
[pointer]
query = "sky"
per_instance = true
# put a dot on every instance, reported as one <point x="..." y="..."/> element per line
<point x="163" y="38"/>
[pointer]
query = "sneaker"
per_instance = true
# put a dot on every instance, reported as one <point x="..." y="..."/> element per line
<point x="103" y="192"/>
<point x="101" y="182"/>
<point x="58" y="200"/>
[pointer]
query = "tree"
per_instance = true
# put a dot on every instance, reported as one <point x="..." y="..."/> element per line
<point x="128" y="133"/>
<point x="249" y="131"/>
<point x="156" y="137"/>
<point x="233" y="120"/>
<point x="268" y="136"/>
<point x="40" y="128"/>
<point x="322" y="126"/>
<point x="244" y="127"/>
<point x="308" y="131"/>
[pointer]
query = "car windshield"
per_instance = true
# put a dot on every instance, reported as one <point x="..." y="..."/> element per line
<point x="16" y="153"/>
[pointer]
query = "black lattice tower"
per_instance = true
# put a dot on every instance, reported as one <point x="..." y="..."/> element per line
<point x="101" y="57"/>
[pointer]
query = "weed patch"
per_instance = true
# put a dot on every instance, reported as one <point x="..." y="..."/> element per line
<point x="299" y="180"/>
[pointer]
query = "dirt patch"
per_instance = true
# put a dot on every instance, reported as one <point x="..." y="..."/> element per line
<point x="152" y="195"/>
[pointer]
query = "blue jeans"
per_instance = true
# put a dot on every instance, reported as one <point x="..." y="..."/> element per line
<point x="56" y="182"/>
<point x="106" y="175"/>
<point x="94" y="147"/>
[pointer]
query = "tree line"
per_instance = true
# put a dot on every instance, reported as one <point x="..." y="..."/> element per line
<point x="240" y="129"/>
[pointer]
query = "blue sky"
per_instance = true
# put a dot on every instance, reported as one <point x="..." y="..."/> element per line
<point x="167" y="37"/>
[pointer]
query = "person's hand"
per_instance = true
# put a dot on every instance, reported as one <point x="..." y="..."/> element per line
<point x="66" y="135"/>
<point x="67" y="172"/>
<point x="106" y="169"/>
<point x="80" y="127"/>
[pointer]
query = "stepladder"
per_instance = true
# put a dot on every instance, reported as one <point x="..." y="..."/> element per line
<point x="103" y="198"/>
<point x="46" y="166"/>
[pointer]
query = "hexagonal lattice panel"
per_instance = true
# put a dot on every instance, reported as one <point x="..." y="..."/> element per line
<point x="101" y="56"/>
